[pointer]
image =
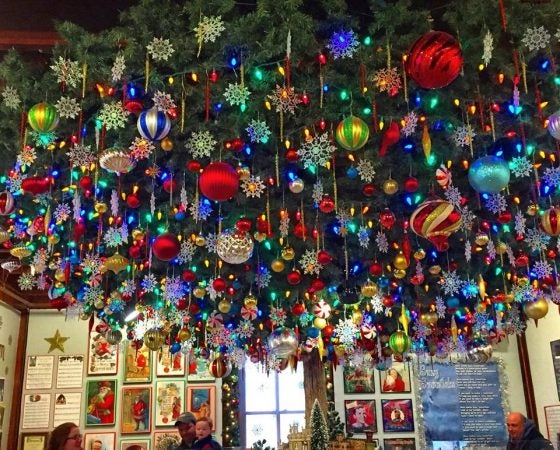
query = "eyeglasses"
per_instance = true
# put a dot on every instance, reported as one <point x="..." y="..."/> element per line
<point x="78" y="437"/>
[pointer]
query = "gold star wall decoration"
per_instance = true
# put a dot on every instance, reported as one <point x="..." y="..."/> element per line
<point x="56" y="342"/>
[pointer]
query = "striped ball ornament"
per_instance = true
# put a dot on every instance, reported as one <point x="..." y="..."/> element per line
<point x="550" y="221"/>
<point x="219" y="367"/>
<point x="553" y="126"/>
<point x="153" y="125"/>
<point x="43" y="117"/>
<point x="352" y="133"/>
<point x="399" y="342"/>
<point x="436" y="220"/>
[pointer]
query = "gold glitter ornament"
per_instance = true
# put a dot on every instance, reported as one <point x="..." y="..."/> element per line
<point x="137" y="234"/>
<point x="100" y="207"/>
<point x="154" y="339"/>
<point x="369" y="289"/>
<point x="199" y="292"/>
<point x="166" y="144"/>
<point x="533" y="209"/>
<point x="419" y="254"/>
<point x="277" y="265"/>
<point x="400" y="261"/>
<point x="224" y="306"/>
<point x="434" y="270"/>
<point x="288" y="253"/>
<point x="399" y="274"/>
<point x="250" y="301"/>
<point x="184" y="334"/>
<point x="481" y="238"/>
<point x="199" y="241"/>
<point x="390" y="186"/>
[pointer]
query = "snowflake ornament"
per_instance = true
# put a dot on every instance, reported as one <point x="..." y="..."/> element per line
<point x="92" y="294"/>
<point x="496" y="203"/>
<point x="278" y="316"/>
<point x="440" y="307"/>
<point x="81" y="155"/>
<point x="467" y="218"/>
<point x="209" y="28"/>
<point x="488" y="45"/>
<point x="382" y="242"/>
<point x="284" y="227"/>
<point x="91" y="263"/>
<point x="62" y="212"/>
<point x="163" y="102"/>
<point x="113" y="237"/>
<point x="318" y="192"/>
<point x="211" y="240"/>
<point x="141" y="148"/>
<point x="450" y="282"/>
<point x="160" y="49"/>
<point x="253" y="187"/>
<point x="187" y="251"/>
<point x="366" y="170"/>
<point x="346" y="332"/>
<point x="377" y="303"/>
<point x="245" y="329"/>
<point x="263" y="277"/>
<point x="536" y="38"/>
<point x="551" y="176"/>
<point x="453" y="196"/>
<point x="173" y="289"/>
<point x="284" y="99"/>
<point x="10" y="98"/>
<point x="309" y="263"/>
<point x="67" y="71"/>
<point x="343" y="44"/>
<point x="363" y="236"/>
<point x="388" y="80"/>
<point x="536" y="239"/>
<point x="521" y="166"/>
<point x="113" y="116"/>
<point x="42" y="139"/>
<point x="149" y="283"/>
<point x="236" y="94"/>
<point x="26" y="282"/>
<point x="542" y="269"/>
<point x="317" y="151"/>
<point x="14" y="182"/>
<point x="463" y="136"/>
<point x="67" y="107"/>
<point x="117" y="71"/>
<point x="27" y="156"/>
<point x="258" y="131"/>
<point x="128" y="287"/>
<point x="200" y="210"/>
<point x="201" y="144"/>
<point x="410" y="123"/>
<point x="491" y="249"/>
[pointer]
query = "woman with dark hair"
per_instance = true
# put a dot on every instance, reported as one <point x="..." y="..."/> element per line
<point x="66" y="436"/>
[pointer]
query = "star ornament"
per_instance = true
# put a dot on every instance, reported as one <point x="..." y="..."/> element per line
<point x="56" y="342"/>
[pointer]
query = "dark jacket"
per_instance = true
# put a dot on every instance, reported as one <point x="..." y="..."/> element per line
<point x="532" y="439"/>
<point x="182" y="446"/>
<point x="207" y="443"/>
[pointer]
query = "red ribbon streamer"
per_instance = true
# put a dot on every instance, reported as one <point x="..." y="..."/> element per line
<point x="207" y="99"/>
<point x="503" y="15"/>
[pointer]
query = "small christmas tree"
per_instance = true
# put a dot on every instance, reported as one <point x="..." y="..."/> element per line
<point x="319" y="438"/>
<point x="336" y="426"/>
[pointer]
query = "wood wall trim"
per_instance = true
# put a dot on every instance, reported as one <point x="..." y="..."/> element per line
<point x="524" y="363"/>
<point x="21" y="303"/>
<point x="29" y="40"/>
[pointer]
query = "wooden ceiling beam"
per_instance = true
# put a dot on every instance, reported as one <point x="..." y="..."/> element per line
<point x="29" y="40"/>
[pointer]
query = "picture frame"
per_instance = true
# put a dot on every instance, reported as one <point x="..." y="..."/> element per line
<point x="169" y="402"/>
<point x="399" y="444"/>
<point x="359" y="379"/>
<point x="170" y="365"/>
<point x="102" y="358"/>
<point x="198" y="369"/>
<point x="99" y="441"/>
<point x="135" y="444"/>
<point x="100" y="403"/>
<point x="395" y="379"/>
<point x="163" y="439"/>
<point x="34" y="441"/>
<point x="397" y="415"/>
<point x="136" y="407"/>
<point x="137" y="364"/>
<point x="360" y="416"/>
<point x="201" y="401"/>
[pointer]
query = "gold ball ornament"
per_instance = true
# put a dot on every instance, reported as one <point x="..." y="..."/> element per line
<point x="277" y="265"/>
<point x="200" y="241"/>
<point x="533" y="209"/>
<point x="59" y="275"/>
<point x="100" y="207"/>
<point x="224" y="306"/>
<point x="481" y="238"/>
<point x="501" y="248"/>
<point x="419" y="254"/>
<point x="319" y="323"/>
<point x="166" y="144"/>
<point x="53" y="239"/>
<point x="137" y="234"/>
<point x="536" y="310"/>
<point x="357" y="317"/>
<point x="184" y="334"/>
<point x="400" y="261"/>
<point x="250" y="301"/>
<point x="434" y="270"/>
<point x="399" y="274"/>
<point x="199" y="292"/>
<point x="369" y="289"/>
<point x="99" y="303"/>
<point x="154" y="339"/>
<point x="390" y="186"/>
<point x="288" y="253"/>
<point x="296" y="186"/>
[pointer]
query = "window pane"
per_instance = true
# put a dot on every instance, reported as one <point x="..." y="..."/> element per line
<point x="259" y="390"/>
<point x="292" y="395"/>
<point x="259" y="427"/>
<point x="290" y="419"/>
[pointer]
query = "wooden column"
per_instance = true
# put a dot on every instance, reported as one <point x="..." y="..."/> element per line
<point x="314" y="383"/>
<point x="528" y="390"/>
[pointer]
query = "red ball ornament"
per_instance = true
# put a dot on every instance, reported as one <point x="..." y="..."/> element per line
<point x="243" y="225"/>
<point x="388" y="301"/>
<point x="411" y="184"/>
<point x="504" y="217"/>
<point x="298" y="309"/>
<point x="294" y="277"/>
<point x="219" y="367"/>
<point x="166" y="246"/>
<point x="36" y="185"/>
<point x="368" y="190"/>
<point x="262" y="225"/>
<point x="193" y="166"/>
<point x="134" y="252"/>
<point x="170" y="185"/>
<point x="326" y="205"/>
<point x="219" y="284"/>
<point x="7" y="203"/>
<point x="434" y="60"/>
<point x="300" y="230"/>
<point x="189" y="276"/>
<point x="132" y="201"/>
<point x="376" y="269"/>
<point x="86" y="183"/>
<point x="317" y="285"/>
<point x="324" y="257"/>
<point x="181" y="304"/>
<point x="328" y="331"/>
<point x="219" y="181"/>
<point x="292" y="155"/>
<point x="79" y="231"/>
<point x="387" y="218"/>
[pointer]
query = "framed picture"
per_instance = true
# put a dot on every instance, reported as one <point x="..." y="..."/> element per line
<point x="137" y="364"/>
<point x="397" y="415"/>
<point x="34" y="441"/>
<point x="100" y="403"/>
<point x="170" y="402"/>
<point x="99" y="441"/>
<point x="135" y="444"/>
<point x="103" y="358"/>
<point x="358" y="380"/>
<point x="198" y="369"/>
<point x="396" y="378"/>
<point x="399" y="444"/>
<point x="170" y="365"/>
<point x="136" y="405"/>
<point x="201" y="401"/>
<point x="360" y="416"/>
<point x="163" y="439"/>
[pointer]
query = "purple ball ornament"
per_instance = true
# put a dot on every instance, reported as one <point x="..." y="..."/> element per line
<point x="554" y="125"/>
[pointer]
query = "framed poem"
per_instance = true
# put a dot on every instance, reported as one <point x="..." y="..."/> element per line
<point x="137" y="364"/>
<point x="399" y="444"/>
<point x="99" y="441"/>
<point x="395" y="379"/>
<point x="358" y="380"/>
<point x="360" y="416"/>
<point x="135" y="444"/>
<point x="163" y="439"/>
<point x="136" y="405"/>
<point x="100" y="403"/>
<point x="201" y="401"/>
<point x="170" y="402"/>
<point x="170" y="364"/>
<point x="103" y="358"/>
<point x="397" y="416"/>
<point x="34" y="441"/>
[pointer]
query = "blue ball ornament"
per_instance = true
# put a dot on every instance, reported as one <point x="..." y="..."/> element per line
<point x="175" y="347"/>
<point x="180" y="215"/>
<point x="352" y="172"/>
<point x="153" y="125"/>
<point x="489" y="174"/>
<point x="453" y="302"/>
<point x="313" y="332"/>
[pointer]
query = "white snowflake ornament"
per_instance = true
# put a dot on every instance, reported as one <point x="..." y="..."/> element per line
<point x="317" y="151"/>
<point x="521" y="166"/>
<point x="160" y="49"/>
<point x="201" y="144"/>
<point x="163" y="102"/>
<point x="236" y="94"/>
<point x="67" y="71"/>
<point x="253" y="187"/>
<point x="410" y="123"/>
<point x="10" y="98"/>
<point x="488" y="48"/>
<point x="258" y="131"/>
<point x="463" y="136"/>
<point x="366" y="170"/>
<point x="209" y="28"/>
<point x="113" y="116"/>
<point x="67" y="107"/>
<point x="536" y="38"/>
<point x="117" y="71"/>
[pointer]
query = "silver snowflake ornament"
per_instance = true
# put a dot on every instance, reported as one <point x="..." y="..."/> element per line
<point x="209" y="28"/>
<point x="67" y="107"/>
<point x="366" y="170"/>
<point x="258" y="131"/>
<point x="463" y="136"/>
<point x="81" y="155"/>
<point x="521" y="166"/>
<point x="542" y="269"/>
<point x="410" y="123"/>
<point x="119" y="66"/>
<point x="27" y="156"/>
<point x="62" y="212"/>
<point x="67" y="71"/>
<point x="10" y="98"/>
<point x="253" y="187"/>
<point x="536" y="239"/>
<point x="160" y="49"/>
<point x="343" y="44"/>
<point x="551" y="176"/>
<point x="284" y="99"/>
<point x="26" y="282"/>
<point x="317" y="151"/>
<point x="496" y="203"/>
<point x="363" y="236"/>
<point x="236" y="94"/>
<point x="309" y="263"/>
<point x="382" y="242"/>
<point x="201" y="144"/>
<point x="346" y="332"/>
<point x="388" y="80"/>
<point x="149" y="283"/>
<point x="488" y="45"/>
<point x="163" y="102"/>
<point x="141" y="148"/>
<point x="536" y="38"/>
<point x="113" y="116"/>
<point x="450" y="282"/>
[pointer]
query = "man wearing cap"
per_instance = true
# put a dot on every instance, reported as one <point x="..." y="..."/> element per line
<point x="186" y="425"/>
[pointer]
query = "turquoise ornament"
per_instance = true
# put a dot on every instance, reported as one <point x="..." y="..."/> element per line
<point x="489" y="174"/>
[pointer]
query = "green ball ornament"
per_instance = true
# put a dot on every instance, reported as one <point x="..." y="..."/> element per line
<point x="399" y="342"/>
<point x="352" y="133"/>
<point x="43" y="117"/>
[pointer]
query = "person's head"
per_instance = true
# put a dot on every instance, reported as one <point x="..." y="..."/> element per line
<point x="360" y="414"/>
<point x="186" y="426"/>
<point x="104" y="387"/>
<point x="66" y="436"/>
<point x="97" y="445"/>
<point x="393" y="373"/>
<point x="203" y="427"/>
<point x="515" y="423"/>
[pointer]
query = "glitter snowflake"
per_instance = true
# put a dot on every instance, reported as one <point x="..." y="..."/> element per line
<point x="160" y="49"/>
<point x="67" y="107"/>
<point x="67" y="71"/>
<point x="201" y="144"/>
<point x="453" y="196"/>
<point x="113" y="237"/>
<point x="114" y="203"/>
<point x="209" y="28"/>
<point x="118" y="68"/>
<point x="284" y="227"/>
<point x="366" y="170"/>
<point x="363" y="236"/>
<point x="450" y="282"/>
<point x="149" y="282"/>
<point x="91" y="263"/>
<point x="258" y="131"/>
<point x="128" y="287"/>
<point x="11" y="98"/>
<point x="551" y="176"/>
<point x="377" y="303"/>
<point x="253" y="187"/>
<point x="14" y="182"/>
<point x="236" y="94"/>
<point x="491" y="249"/>
<point x="421" y="331"/>
<point x="467" y="218"/>
<point x="284" y="99"/>
<point x="488" y="44"/>
<point x="153" y="172"/>
<point x="187" y="251"/>
<point x="245" y="329"/>
<point x="141" y="148"/>
<point x="440" y="307"/>
<point x="113" y="116"/>
<point x="26" y="282"/>
<point x="39" y="261"/>
<point x="200" y="210"/>
<point x="463" y="136"/>
<point x="382" y="242"/>
<point x="536" y="239"/>
<point x="263" y="277"/>
<point x="92" y="294"/>
<point x="27" y="156"/>
<point x="521" y="167"/>
<point x="211" y="241"/>
<point x="469" y="289"/>
<point x="173" y="289"/>
<point x="496" y="203"/>
<point x="317" y="151"/>
<point x="536" y="38"/>
<point x="42" y="139"/>
<point x="523" y="292"/>
<point x="278" y="316"/>
<point x="81" y="155"/>
<point x="318" y="192"/>
<point x="410" y="123"/>
<point x="542" y="269"/>
<point x="520" y="222"/>
<point x="343" y="44"/>
<point x="237" y="357"/>
<point x="163" y="102"/>
<point x="346" y="332"/>
<point x="62" y="212"/>
<point x="309" y="263"/>
<point x="343" y="217"/>
<point x="388" y="80"/>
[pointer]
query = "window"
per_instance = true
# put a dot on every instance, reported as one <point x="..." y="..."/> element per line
<point x="272" y="404"/>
